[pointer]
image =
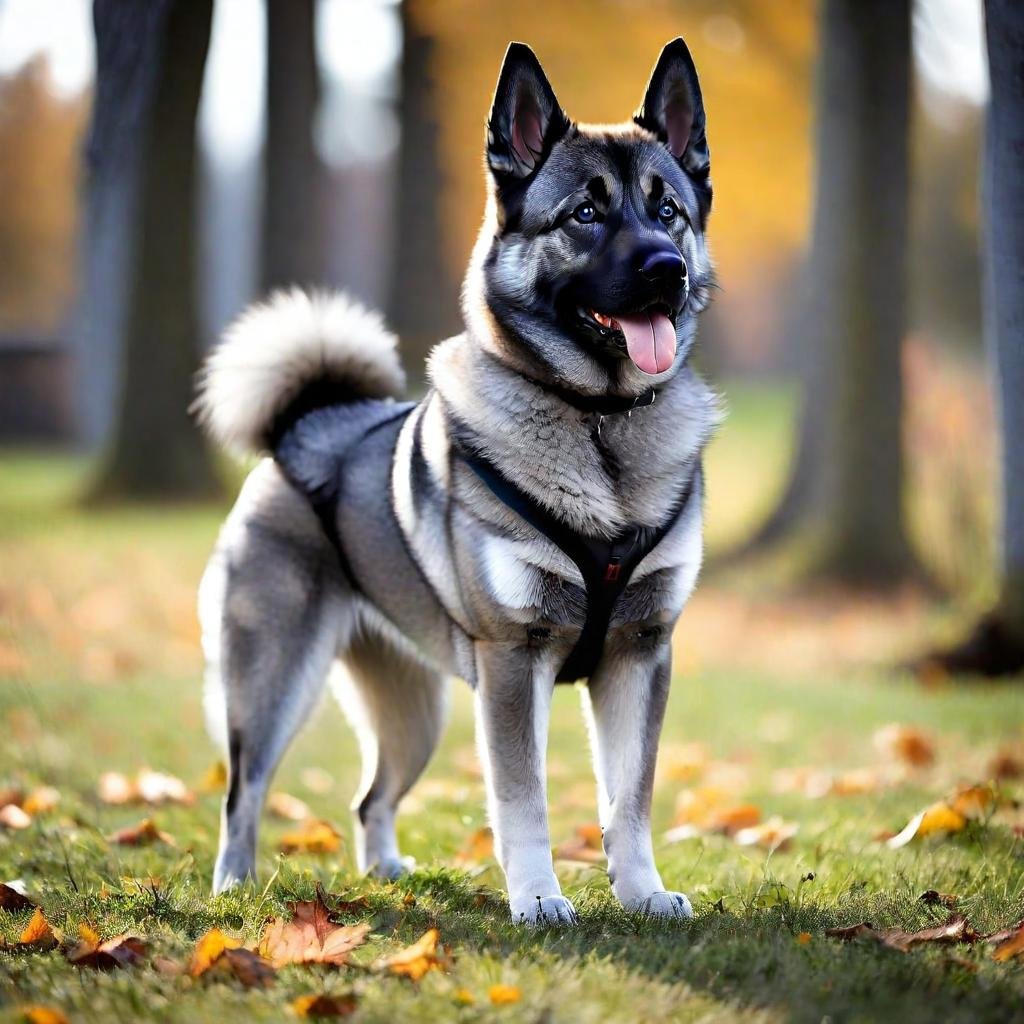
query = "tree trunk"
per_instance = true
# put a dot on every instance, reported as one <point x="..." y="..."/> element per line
<point x="157" y="450"/>
<point x="293" y="243"/>
<point x="845" y="488"/>
<point x="1004" y="282"/>
<point x="423" y="307"/>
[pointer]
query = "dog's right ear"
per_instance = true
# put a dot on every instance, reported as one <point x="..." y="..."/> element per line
<point x="525" y="121"/>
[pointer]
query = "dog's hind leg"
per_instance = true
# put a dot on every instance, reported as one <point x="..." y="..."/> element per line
<point x="396" y="704"/>
<point x="272" y="607"/>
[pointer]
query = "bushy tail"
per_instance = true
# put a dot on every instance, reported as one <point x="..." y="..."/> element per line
<point x="292" y="351"/>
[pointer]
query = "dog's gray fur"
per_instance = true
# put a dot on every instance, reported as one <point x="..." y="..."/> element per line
<point x="442" y="577"/>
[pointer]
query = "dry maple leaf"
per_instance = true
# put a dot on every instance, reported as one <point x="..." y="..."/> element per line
<point x="478" y="847"/>
<point x="503" y="995"/>
<point x="310" y="937"/>
<point x="209" y="949"/>
<point x="851" y="932"/>
<point x="326" y="1005"/>
<point x="12" y="900"/>
<point x="315" y="836"/>
<point x="247" y="967"/>
<point x="38" y="933"/>
<point x="42" y="1015"/>
<point x="933" y="897"/>
<point x="955" y="929"/>
<point x="288" y="807"/>
<point x="586" y="846"/>
<point x="142" y="834"/>
<point x="906" y="744"/>
<point x="974" y="802"/>
<point x="120" y="951"/>
<point x="416" y="960"/>
<point x="1009" y="943"/>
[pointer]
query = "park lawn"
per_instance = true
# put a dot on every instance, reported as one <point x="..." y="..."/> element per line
<point x="100" y="671"/>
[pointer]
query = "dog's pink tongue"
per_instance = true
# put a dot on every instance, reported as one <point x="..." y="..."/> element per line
<point x="650" y="340"/>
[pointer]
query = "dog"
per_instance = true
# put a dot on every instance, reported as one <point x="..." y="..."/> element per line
<point x="536" y="517"/>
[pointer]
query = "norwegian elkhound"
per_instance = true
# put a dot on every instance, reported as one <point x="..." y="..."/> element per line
<point x="535" y="518"/>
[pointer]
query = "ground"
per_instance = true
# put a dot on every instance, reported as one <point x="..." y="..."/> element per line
<point x="777" y="694"/>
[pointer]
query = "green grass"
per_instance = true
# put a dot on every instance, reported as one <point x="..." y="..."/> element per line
<point x="99" y="656"/>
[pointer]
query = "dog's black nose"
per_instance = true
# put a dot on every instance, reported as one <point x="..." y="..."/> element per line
<point x="664" y="266"/>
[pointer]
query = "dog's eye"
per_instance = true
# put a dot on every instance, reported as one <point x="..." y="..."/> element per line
<point x="585" y="213"/>
<point x="667" y="211"/>
<point x="649" y="633"/>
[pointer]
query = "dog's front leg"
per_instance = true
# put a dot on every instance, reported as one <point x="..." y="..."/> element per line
<point x="513" y="703"/>
<point x="625" y="705"/>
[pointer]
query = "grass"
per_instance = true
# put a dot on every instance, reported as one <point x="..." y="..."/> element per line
<point x="100" y="671"/>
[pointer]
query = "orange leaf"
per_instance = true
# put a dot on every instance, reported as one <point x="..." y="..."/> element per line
<point x="478" y="847"/>
<point x="416" y="960"/>
<point x="120" y="951"/>
<point x="41" y="800"/>
<point x="38" y="932"/>
<point x="939" y="818"/>
<point x="974" y="801"/>
<point x="774" y="834"/>
<point x="905" y="743"/>
<point x="325" y="1005"/>
<point x="1010" y="943"/>
<point x="209" y="950"/>
<point x="586" y="846"/>
<point x="502" y="995"/>
<point x="310" y="937"/>
<point x="288" y="807"/>
<point x="803" y="939"/>
<point x="42" y="1015"/>
<point x="142" y="834"/>
<point x="315" y="836"/>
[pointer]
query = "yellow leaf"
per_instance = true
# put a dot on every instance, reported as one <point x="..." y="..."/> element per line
<point x="38" y="932"/>
<point x="209" y="949"/>
<point x="416" y="960"/>
<point x="502" y="995"/>
<point x="42" y="1015"/>
<point x="314" y="836"/>
<point x="215" y="778"/>
<point x="938" y="818"/>
<point x="464" y="997"/>
<point x="41" y="800"/>
<point x="322" y="1005"/>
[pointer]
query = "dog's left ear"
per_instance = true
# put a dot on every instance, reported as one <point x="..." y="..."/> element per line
<point x="526" y="120"/>
<point x="674" y="110"/>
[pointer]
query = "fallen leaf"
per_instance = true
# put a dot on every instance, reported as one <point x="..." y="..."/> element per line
<point x="906" y="744"/>
<point x="478" y="847"/>
<point x="1007" y="764"/>
<point x="157" y="788"/>
<point x="37" y="932"/>
<point x="42" y="1015"/>
<point x="733" y="820"/>
<point x="290" y="808"/>
<point x="310" y="937"/>
<point x="247" y="967"/>
<point x="803" y="939"/>
<point x="12" y="900"/>
<point x="13" y="817"/>
<point x="409" y="899"/>
<point x="316" y="780"/>
<point x="974" y="802"/>
<point x="684" y="763"/>
<point x="1009" y="943"/>
<point x="586" y="846"/>
<point x="209" y="949"/>
<point x="325" y="1005"/>
<point x="142" y="834"/>
<point x="115" y="788"/>
<point x="850" y="932"/>
<point x="41" y="800"/>
<point x="167" y="967"/>
<point x="774" y="834"/>
<point x="503" y="995"/>
<point x="933" y="898"/>
<point x="215" y="778"/>
<point x="120" y="951"/>
<point x="314" y="836"/>
<point x="954" y="930"/>
<point x="416" y="960"/>
<point x="938" y="818"/>
<point x="464" y="997"/>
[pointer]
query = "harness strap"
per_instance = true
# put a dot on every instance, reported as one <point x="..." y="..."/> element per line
<point x="606" y="565"/>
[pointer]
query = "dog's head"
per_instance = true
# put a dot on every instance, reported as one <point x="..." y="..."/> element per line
<point x="591" y="265"/>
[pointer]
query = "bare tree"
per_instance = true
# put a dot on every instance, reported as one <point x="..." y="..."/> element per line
<point x="293" y="237"/>
<point x="996" y="645"/>
<point x="157" y="451"/>
<point x="844" y="493"/>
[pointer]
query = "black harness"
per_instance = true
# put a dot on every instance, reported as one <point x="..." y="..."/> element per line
<point x="606" y="564"/>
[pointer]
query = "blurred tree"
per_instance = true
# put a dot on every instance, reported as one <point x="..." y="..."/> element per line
<point x="293" y="237"/>
<point x="845" y="487"/>
<point x="423" y="305"/>
<point x="996" y="645"/>
<point x="150" y="66"/>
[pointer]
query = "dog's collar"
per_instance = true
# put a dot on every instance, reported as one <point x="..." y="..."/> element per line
<point x="603" y="405"/>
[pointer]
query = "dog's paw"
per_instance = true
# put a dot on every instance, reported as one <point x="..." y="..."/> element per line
<point x="662" y="905"/>
<point x="232" y="869"/>
<point x="545" y="912"/>
<point x="391" y="868"/>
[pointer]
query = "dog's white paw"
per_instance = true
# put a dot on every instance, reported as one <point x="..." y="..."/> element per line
<point x="230" y="871"/>
<point x="545" y="912"/>
<point x="663" y="905"/>
<point x="391" y="868"/>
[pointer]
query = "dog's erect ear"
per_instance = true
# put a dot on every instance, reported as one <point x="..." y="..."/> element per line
<point x="526" y="120"/>
<point x="674" y="111"/>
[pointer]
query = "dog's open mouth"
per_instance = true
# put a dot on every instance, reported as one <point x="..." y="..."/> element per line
<point x="649" y="335"/>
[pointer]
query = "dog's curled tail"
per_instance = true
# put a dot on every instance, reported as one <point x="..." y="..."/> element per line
<point x="294" y="352"/>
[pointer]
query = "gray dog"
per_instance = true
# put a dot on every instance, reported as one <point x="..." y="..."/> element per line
<point x="535" y="519"/>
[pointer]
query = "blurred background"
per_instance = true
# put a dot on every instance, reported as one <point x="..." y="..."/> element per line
<point x="163" y="164"/>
